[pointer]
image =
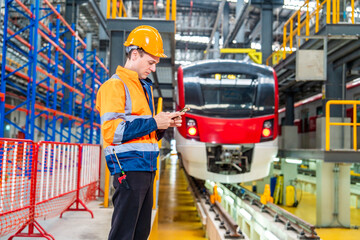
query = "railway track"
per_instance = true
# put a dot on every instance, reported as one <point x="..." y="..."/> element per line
<point x="217" y="219"/>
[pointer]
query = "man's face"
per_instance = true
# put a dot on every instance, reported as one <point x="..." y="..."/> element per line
<point x="145" y="64"/>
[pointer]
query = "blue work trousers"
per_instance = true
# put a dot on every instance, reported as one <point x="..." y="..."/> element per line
<point x="131" y="219"/>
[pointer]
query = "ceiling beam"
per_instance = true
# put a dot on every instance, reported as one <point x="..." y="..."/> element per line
<point x="219" y="13"/>
<point x="238" y="22"/>
<point x="100" y="17"/>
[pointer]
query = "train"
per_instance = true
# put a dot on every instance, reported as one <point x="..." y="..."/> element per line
<point x="308" y="113"/>
<point x="229" y="135"/>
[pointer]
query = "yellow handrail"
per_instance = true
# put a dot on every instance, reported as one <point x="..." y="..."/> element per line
<point x="140" y="9"/>
<point x="290" y="30"/>
<point x="173" y="5"/>
<point x="116" y="8"/>
<point x="354" y="123"/>
<point x="106" y="187"/>
<point x="352" y="12"/>
<point x="167" y="10"/>
<point x="157" y="176"/>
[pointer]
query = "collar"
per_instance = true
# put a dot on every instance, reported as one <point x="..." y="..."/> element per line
<point x="146" y="81"/>
<point x="126" y="73"/>
<point x="132" y="75"/>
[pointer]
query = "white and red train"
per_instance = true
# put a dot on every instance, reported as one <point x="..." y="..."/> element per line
<point x="308" y="110"/>
<point x="230" y="133"/>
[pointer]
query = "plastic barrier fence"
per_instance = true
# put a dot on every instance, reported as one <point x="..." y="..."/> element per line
<point x="44" y="180"/>
<point x="16" y="180"/>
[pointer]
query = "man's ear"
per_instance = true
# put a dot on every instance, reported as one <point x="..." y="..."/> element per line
<point x="135" y="54"/>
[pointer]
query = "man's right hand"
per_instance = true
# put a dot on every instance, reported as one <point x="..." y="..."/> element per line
<point x="166" y="119"/>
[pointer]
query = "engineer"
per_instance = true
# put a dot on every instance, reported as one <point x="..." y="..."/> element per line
<point x="131" y="130"/>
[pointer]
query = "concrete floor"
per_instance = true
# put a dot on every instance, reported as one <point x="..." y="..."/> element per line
<point x="78" y="225"/>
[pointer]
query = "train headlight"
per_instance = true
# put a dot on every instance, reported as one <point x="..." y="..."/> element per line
<point x="192" y="129"/>
<point x="267" y="131"/>
<point x="268" y="124"/>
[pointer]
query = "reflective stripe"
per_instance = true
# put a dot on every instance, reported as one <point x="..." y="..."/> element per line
<point x="133" y="117"/>
<point x="112" y="115"/>
<point x="143" y="147"/>
<point x="128" y="104"/>
<point x="119" y="133"/>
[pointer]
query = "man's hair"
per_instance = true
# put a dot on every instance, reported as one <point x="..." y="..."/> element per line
<point x="140" y="50"/>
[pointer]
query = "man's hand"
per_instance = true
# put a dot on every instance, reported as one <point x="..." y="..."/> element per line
<point x="165" y="120"/>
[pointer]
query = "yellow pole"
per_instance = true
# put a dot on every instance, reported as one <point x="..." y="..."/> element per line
<point x="334" y="12"/>
<point x="108" y="9"/>
<point x="173" y="10"/>
<point x="355" y="127"/>
<point x="140" y="9"/>
<point x="328" y="7"/>
<point x="352" y="12"/>
<point x="291" y="35"/>
<point x="338" y="11"/>
<point x="159" y="109"/>
<point x="317" y="17"/>
<point x="284" y="42"/>
<point x="307" y="19"/>
<point x="168" y="9"/>
<point x="106" y="187"/>
<point x="298" y="26"/>
<point x="124" y="10"/>
<point x="113" y="14"/>
<point x="120" y="8"/>
<point x="327" y="126"/>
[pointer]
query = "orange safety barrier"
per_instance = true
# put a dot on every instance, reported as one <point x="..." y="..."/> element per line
<point x="17" y="163"/>
<point x="44" y="180"/>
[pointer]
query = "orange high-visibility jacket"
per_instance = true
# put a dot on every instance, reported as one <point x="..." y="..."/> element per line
<point x="126" y="107"/>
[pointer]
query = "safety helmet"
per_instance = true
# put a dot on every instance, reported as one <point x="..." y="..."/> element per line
<point x="147" y="38"/>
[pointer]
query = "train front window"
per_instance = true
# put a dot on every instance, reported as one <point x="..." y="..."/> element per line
<point x="230" y="95"/>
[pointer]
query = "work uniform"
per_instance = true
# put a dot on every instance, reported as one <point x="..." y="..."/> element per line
<point x="126" y="107"/>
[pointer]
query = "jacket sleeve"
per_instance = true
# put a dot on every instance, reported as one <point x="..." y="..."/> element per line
<point x="110" y="102"/>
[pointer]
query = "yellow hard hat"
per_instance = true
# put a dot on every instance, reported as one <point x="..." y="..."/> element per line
<point x="147" y="38"/>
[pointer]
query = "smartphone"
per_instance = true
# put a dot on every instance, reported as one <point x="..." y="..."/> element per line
<point x="185" y="109"/>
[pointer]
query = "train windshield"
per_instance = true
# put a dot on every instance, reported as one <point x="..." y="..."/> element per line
<point x="230" y="95"/>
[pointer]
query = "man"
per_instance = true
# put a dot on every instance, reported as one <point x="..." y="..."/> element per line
<point x="130" y="131"/>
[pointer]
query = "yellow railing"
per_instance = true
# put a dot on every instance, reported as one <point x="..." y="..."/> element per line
<point x="295" y="26"/>
<point x="157" y="176"/>
<point x="116" y="8"/>
<point x="255" y="56"/>
<point x="354" y="123"/>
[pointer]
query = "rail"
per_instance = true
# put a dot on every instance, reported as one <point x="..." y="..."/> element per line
<point x="225" y="220"/>
<point x="291" y="222"/>
<point x="298" y="24"/>
<point x="353" y="124"/>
